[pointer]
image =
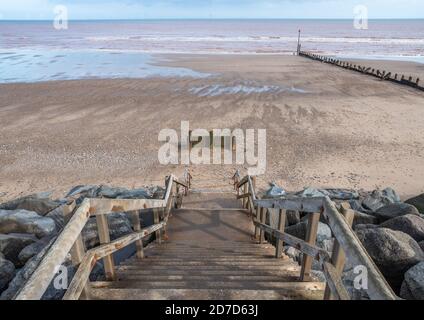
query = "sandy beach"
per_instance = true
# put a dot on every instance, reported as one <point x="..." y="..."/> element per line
<point x="326" y="127"/>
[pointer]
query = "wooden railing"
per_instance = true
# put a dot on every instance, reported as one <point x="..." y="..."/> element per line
<point x="70" y="241"/>
<point x="347" y="245"/>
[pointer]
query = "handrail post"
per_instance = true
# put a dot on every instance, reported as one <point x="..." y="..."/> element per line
<point x="257" y="219"/>
<point x="281" y="224"/>
<point x="338" y="257"/>
<point x="311" y="236"/>
<point x="245" y="202"/>
<point x="104" y="236"/>
<point x="263" y="221"/>
<point x="137" y="227"/>
<point x="78" y="249"/>
<point x="156" y="221"/>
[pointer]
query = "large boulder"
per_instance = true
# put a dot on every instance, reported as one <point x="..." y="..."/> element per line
<point x="380" y="198"/>
<point x="365" y="226"/>
<point x="7" y="272"/>
<point x="58" y="214"/>
<point x="363" y="218"/>
<point x="274" y="191"/>
<point x="417" y="202"/>
<point x="33" y="249"/>
<point x="12" y="244"/>
<point x="394" y="252"/>
<point x="413" y="285"/>
<point x="23" y="221"/>
<point x="38" y="203"/>
<point x="395" y="210"/>
<point x="410" y="224"/>
<point x="119" y="225"/>
<point x="293" y="217"/>
<point x="92" y="191"/>
<point x="23" y="274"/>
<point x="299" y="231"/>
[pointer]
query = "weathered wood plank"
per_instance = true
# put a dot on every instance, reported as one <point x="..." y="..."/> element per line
<point x="281" y="225"/>
<point x="299" y="244"/>
<point x="135" y="217"/>
<point x="45" y="272"/>
<point x="311" y="237"/>
<point x="156" y="221"/>
<point x="297" y="204"/>
<point x="378" y="288"/>
<point x="81" y="276"/>
<point x="104" y="236"/>
<point x="263" y="220"/>
<point x="335" y="282"/>
<point x="338" y="257"/>
<point x="106" y="206"/>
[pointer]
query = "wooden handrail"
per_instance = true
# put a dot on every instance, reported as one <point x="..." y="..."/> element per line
<point x="38" y="282"/>
<point x="378" y="288"/>
<point x="92" y="256"/>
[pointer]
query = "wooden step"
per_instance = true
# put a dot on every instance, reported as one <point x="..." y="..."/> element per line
<point x="224" y="285"/>
<point x="209" y="267"/>
<point x="225" y="272"/>
<point x="287" y="277"/>
<point x="205" y="294"/>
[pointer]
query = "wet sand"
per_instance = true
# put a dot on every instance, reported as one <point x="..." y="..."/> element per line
<point x="345" y="130"/>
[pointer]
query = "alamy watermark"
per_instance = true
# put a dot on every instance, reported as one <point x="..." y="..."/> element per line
<point x="219" y="146"/>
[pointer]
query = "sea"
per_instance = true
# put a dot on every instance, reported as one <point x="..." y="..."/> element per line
<point x="32" y="51"/>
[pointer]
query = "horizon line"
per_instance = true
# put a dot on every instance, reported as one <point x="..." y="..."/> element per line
<point x="140" y="19"/>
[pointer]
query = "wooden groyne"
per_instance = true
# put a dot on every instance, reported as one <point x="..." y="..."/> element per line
<point x="382" y="75"/>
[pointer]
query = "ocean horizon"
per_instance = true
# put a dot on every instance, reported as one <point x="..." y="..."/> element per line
<point x="33" y="50"/>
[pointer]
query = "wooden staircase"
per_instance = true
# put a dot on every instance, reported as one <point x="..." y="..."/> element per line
<point x="208" y="253"/>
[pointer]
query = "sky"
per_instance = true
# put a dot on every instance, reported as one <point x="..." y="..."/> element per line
<point x="206" y="9"/>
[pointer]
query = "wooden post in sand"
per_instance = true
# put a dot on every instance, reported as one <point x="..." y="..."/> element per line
<point x="298" y="43"/>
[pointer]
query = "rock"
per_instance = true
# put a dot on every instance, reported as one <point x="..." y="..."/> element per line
<point x="23" y="274"/>
<point x="122" y="193"/>
<point x="33" y="249"/>
<point x="299" y="231"/>
<point x="292" y="253"/>
<point x="157" y="192"/>
<point x="421" y="243"/>
<point x="36" y="203"/>
<point x="413" y="285"/>
<point x="89" y="191"/>
<point x="417" y="202"/>
<point x="23" y="221"/>
<point x="119" y="225"/>
<point x="334" y="194"/>
<point x="394" y="252"/>
<point x="274" y="192"/>
<point x="365" y="226"/>
<point x="327" y="244"/>
<point x="12" y="244"/>
<point x="342" y="194"/>
<point x="378" y="199"/>
<point x="293" y="217"/>
<point x="312" y="193"/>
<point x="395" y="210"/>
<point x="363" y="218"/>
<point x="58" y="214"/>
<point x="356" y="205"/>
<point x="410" y="224"/>
<point x="7" y="272"/>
